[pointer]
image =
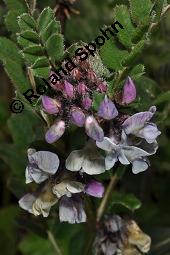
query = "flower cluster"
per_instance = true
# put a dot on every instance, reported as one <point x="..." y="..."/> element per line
<point x="123" y="138"/>
<point x="122" y="237"/>
<point x="43" y="167"/>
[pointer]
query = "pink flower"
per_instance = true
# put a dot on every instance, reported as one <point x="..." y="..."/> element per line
<point x="129" y="92"/>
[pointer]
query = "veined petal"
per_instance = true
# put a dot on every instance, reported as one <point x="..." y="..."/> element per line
<point x="129" y="92"/>
<point x="137" y="121"/>
<point x="107" y="109"/>
<point x="50" y="105"/>
<point x="27" y="201"/>
<point x="55" y="132"/>
<point x="106" y="145"/>
<point x="46" y="161"/>
<point x="150" y="132"/>
<point x="75" y="160"/>
<point x="34" y="174"/>
<point x="110" y="160"/>
<point x="95" y="165"/>
<point x="132" y="153"/>
<point x="94" y="188"/>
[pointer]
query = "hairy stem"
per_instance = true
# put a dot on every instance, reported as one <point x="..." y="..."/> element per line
<point x="54" y="243"/>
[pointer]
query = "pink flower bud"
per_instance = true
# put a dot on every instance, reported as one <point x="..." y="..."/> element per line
<point x="129" y="92"/>
<point x="77" y="117"/>
<point x="102" y="87"/>
<point x="68" y="89"/>
<point x="107" y="110"/>
<point x="50" y="105"/>
<point x="55" y="132"/>
<point x="86" y="103"/>
<point x="94" y="189"/>
<point x="76" y="74"/>
<point x="93" y="129"/>
<point x="81" y="88"/>
<point x="91" y="76"/>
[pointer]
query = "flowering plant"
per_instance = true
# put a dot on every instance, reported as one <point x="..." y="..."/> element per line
<point x="89" y="131"/>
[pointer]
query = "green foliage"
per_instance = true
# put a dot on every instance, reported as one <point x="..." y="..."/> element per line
<point x="97" y="99"/>
<point x="140" y="10"/>
<point x="126" y="200"/>
<point x="55" y="47"/>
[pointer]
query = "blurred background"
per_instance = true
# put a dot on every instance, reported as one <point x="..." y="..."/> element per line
<point x="20" y="233"/>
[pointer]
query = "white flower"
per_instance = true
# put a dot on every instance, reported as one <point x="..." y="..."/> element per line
<point x="41" y="165"/>
<point x="67" y="188"/>
<point x="126" y="153"/>
<point x="87" y="160"/>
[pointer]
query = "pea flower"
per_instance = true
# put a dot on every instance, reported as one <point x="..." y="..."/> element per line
<point x="129" y="92"/>
<point x="93" y="130"/>
<point x="41" y="165"/>
<point x="107" y="110"/>
<point x="67" y="188"/>
<point x="39" y="204"/>
<point x="55" y="131"/>
<point x="87" y="160"/>
<point x="94" y="189"/>
<point x="127" y="153"/>
<point x="71" y="210"/>
<point x="50" y="105"/>
<point x="121" y="236"/>
<point x="77" y="117"/>
<point x="139" y="125"/>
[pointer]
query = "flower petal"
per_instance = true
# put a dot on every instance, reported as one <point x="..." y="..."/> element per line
<point x="55" y="132"/>
<point x="129" y="92"/>
<point x="77" y="117"/>
<point x="94" y="165"/>
<point x="75" y="160"/>
<point x="139" y="166"/>
<point x="106" y="145"/>
<point x="94" y="188"/>
<point x="110" y="160"/>
<point x="34" y="174"/>
<point x="150" y="132"/>
<point x="137" y="121"/>
<point x="107" y="109"/>
<point x="93" y="129"/>
<point x="50" y="105"/>
<point x="27" y="201"/>
<point x="71" y="210"/>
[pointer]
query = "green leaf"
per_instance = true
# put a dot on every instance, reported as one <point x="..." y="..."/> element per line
<point x="24" y="42"/>
<point x="26" y="22"/>
<point x="137" y="49"/>
<point x="123" y="16"/>
<point x="127" y="200"/>
<point x="17" y="76"/>
<point x="9" y="50"/>
<point x="30" y="36"/>
<point x="34" y="50"/>
<point x="55" y="47"/>
<point x="42" y="72"/>
<point x="97" y="99"/>
<point x="35" y="245"/>
<point x="140" y="10"/>
<point x="18" y="5"/>
<point x="41" y="62"/>
<point x="53" y="27"/>
<point x="11" y="21"/>
<point x="112" y="56"/>
<point x="137" y="71"/>
<point x="162" y="98"/>
<point x="45" y="18"/>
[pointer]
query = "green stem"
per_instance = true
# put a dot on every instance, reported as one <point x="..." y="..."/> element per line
<point x="54" y="243"/>
<point x="113" y="181"/>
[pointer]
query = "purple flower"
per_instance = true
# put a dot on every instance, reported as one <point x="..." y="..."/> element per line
<point x="107" y="110"/>
<point x="102" y="87"/>
<point x="93" y="129"/>
<point x="86" y="102"/>
<point x="139" y="125"/>
<point x="81" y="88"/>
<point x="50" y="105"/>
<point x="94" y="188"/>
<point x="77" y="117"/>
<point x="55" y="132"/>
<point x="68" y="89"/>
<point x="129" y="92"/>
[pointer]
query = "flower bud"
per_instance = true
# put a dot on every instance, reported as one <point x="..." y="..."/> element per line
<point x="129" y="92"/>
<point x="87" y="103"/>
<point x="55" y="132"/>
<point x="91" y="75"/>
<point x="93" y="129"/>
<point x="94" y="188"/>
<point x="50" y="105"/>
<point x="102" y="87"/>
<point x="68" y="89"/>
<point x="77" y="117"/>
<point x="81" y="88"/>
<point x="107" y="110"/>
